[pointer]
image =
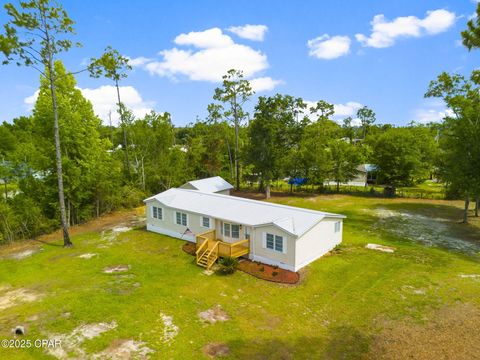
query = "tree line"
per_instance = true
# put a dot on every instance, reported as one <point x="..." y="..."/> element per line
<point x="61" y="165"/>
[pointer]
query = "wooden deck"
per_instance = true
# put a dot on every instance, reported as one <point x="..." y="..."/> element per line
<point x="209" y="248"/>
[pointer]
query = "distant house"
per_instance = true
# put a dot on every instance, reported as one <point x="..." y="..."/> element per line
<point x="223" y="225"/>
<point x="214" y="184"/>
<point x="366" y="174"/>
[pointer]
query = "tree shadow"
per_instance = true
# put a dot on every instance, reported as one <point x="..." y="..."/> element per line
<point x="342" y="342"/>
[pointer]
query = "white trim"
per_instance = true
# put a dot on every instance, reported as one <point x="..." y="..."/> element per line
<point x="268" y="261"/>
<point x="171" y="233"/>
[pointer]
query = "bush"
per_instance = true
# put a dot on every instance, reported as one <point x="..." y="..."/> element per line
<point x="228" y="265"/>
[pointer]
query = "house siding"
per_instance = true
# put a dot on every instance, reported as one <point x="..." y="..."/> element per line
<point x="258" y="251"/>
<point x="168" y="226"/>
<point x="317" y="242"/>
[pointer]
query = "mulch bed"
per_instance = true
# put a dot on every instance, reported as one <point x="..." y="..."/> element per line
<point x="189" y="248"/>
<point x="259" y="270"/>
<point x="268" y="272"/>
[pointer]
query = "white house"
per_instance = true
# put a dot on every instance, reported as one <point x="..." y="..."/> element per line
<point x="214" y="184"/>
<point x="223" y="225"/>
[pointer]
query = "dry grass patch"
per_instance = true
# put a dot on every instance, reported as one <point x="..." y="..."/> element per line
<point x="451" y="332"/>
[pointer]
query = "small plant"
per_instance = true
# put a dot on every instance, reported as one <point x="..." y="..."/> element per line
<point x="274" y="273"/>
<point x="262" y="269"/>
<point x="228" y="265"/>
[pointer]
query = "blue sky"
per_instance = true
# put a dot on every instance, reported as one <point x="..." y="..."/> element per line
<point x="351" y="53"/>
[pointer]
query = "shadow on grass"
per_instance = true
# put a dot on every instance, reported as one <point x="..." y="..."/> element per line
<point x="343" y="342"/>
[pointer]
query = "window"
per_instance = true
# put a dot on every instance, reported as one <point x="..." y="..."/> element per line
<point x="274" y="242"/>
<point x="235" y="231"/>
<point x="205" y="221"/>
<point x="181" y="218"/>
<point x="157" y="213"/>
<point x="338" y="226"/>
<point x="231" y="230"/>
<point x="226" y="229"/>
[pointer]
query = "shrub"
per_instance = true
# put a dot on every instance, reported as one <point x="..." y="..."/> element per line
<point x="262" y="269"/>
<point x="228" y="265"/>
<point x="274" y="273"/>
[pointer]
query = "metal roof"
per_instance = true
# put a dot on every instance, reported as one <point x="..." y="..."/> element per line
<point x="211" y="185"/>
<point x="293" y="220"/>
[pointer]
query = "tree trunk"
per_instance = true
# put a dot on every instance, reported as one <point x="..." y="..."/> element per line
<point x="58" y="155"/>
<point x="465" y="211"/>
<point x="237" y="164"/>
<point x="267" y="190"/>
<point x="232" y="172"/>
<point x="120" y="112"/>
<point x="477" y="204"/>
<point x="6" y="189"/>
<point x="338" y="186"/>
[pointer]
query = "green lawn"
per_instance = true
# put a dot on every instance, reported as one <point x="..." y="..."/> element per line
<point x="335" y="312"/>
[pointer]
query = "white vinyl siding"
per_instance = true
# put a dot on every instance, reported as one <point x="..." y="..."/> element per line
<point x="157" y="213"/>
<point x="274" y="242"/>
<point x="180" y="218"/>
<point x="205" y="222"/>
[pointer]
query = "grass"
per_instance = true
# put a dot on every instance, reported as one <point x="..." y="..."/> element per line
<point x="335" y="312"/>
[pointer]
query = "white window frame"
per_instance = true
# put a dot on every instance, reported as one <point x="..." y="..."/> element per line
<point x="224" y="227"/>
<point x="209" y="222"/>
<point x="231" y="231"/>
<point x="158" y="210"/>
<point x="181" y="218"/>
<point x="338" y="226"/>
<point x="275" y="239"/>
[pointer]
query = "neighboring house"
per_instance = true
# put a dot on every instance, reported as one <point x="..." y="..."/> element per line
<point x="223" y="225"/>
<point x="214" y="184"/>
<point x="366" y="174"/>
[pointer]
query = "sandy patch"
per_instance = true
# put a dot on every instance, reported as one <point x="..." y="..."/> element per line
<point x="213" y="315"/>
<point x="116" y="269"/>
<point x="24" y="254"/>
<point x="124" y="350"/>
<point x="430" y="231"/>
<point x="214" y="350"/>
<point x="382" y="248"/>
<point x="17" y="296"/>
<point x="470" y="276"/>
<point x="108" y="237"/>
<point x="449" y="333"/>
<point x="170" y="330"/>
<point x="71" y="343"/>
<point x="87" y="256"/>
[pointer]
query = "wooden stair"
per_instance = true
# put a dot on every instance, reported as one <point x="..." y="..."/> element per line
<point x="208" y="257"/>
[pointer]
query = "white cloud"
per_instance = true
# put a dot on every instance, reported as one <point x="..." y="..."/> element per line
<point x="104" y="100"/>
<point x="326" y="47"/>
<point x="215" y="54"/>
<point x="138" y="61"/>
<point x="348" y="109"/>
<point x="250" y="32"/>
<point x="211" y="38"/>
<point x="264" y="84"/>
<point x="384" y="32"/>
<point x="425" y="116"/>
